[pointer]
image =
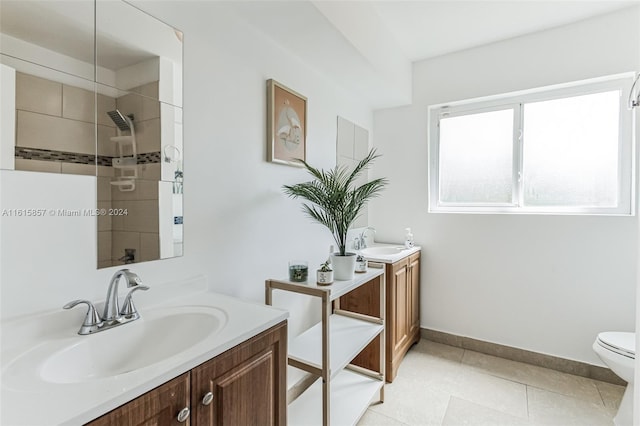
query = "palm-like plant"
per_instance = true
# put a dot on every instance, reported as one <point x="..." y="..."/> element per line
<point x="335" y="201"/>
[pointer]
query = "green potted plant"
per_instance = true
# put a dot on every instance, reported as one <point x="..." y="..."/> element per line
<point x="335" y="202"/>
<point x="325" y="274"/>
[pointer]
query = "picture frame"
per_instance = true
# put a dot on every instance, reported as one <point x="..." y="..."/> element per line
<point x="286" y="125"/>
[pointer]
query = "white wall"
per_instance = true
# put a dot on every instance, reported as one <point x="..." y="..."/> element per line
<point x="543" y="283"/>
<point x="239" y="227"/>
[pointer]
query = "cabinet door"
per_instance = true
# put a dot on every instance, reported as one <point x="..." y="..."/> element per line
<point x="246" y="384"/>
<point x="414" y="295"/>
<point x="399" y="296"/>
<point x="159" y="407"/>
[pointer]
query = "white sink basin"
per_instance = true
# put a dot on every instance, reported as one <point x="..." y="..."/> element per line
<point x="159" y="335"/>
<point x="376" y="251"/>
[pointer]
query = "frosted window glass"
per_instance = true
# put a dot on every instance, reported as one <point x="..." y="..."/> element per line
<point x="476" y="158"/>
<point x="571" y="151"/>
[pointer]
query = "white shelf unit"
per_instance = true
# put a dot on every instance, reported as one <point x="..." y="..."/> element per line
<point x="339" y="392"/>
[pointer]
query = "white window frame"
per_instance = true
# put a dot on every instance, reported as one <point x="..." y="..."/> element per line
<point x="516" y="100"/>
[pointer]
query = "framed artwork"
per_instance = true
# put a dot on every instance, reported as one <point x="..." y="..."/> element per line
<point x="286" y="124"/>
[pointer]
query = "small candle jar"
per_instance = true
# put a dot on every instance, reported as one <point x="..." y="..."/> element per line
<point x="298" y="271"/>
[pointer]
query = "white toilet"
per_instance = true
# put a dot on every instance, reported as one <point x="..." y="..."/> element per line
<point x="617" y="349"/>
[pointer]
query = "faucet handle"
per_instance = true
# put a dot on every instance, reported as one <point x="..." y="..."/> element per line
<point x="92" y="320"/>
<point x="128" y="308"/>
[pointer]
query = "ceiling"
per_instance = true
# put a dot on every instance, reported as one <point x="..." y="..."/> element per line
<point x="428" y="28"/>
<point x="369" y="46"/>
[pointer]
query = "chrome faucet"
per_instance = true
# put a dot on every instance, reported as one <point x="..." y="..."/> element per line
<point x="112" y="316"/>
<point x="360" y="241"/>
<point x="111" y="308"/>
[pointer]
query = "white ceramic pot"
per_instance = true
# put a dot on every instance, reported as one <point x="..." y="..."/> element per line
<point x="343" y="266"/>
<point x="325" y="277"/>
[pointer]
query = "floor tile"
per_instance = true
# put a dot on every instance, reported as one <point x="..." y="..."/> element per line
<point x="434" y="367"/>
<point x="549" y="408"/>
<point x="611" y="395"/>
<point x="443" y="385"/>
<point x="371" y="418"/>
<point x="461" y="412"/>
<point x="539" y="377"/>
<point x="413" y="402"/>
<point x="492" y="392"/>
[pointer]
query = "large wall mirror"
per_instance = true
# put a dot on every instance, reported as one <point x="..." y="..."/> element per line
<point x="97" y="90"/>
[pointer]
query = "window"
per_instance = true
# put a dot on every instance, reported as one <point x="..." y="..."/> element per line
<point x="554" y="150"/>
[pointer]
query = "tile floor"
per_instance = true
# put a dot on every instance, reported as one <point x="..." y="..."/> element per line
<point x="448" y="386"/>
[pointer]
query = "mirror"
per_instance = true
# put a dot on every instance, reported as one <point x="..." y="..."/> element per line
<point x="54" y="34"/>
<point x="352" y="145"/>
<point x="48" y="119"/>
<point x="134" y="49"/>
<point x="48" y="99"/>
<point x="101" y="100"/>
<point x="140" y="180"/>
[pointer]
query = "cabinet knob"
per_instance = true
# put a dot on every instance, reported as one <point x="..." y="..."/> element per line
<point x="183" y="414"/>
<point x="208" y="397"/>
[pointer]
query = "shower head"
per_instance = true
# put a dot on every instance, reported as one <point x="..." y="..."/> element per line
<point x="119" y="120"/>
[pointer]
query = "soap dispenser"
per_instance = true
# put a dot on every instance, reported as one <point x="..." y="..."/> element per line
<point x="408" y="239"/>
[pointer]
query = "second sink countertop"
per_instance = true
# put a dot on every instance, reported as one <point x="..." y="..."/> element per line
<point x="392" y="258"/>
<point x="78" y="403"/>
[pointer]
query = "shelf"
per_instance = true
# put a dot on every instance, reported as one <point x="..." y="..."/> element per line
<point x="342" y="393"/>
<point x="335" y="290"/>
<point x="348" y="337"/>
<point x="351" y="394"/>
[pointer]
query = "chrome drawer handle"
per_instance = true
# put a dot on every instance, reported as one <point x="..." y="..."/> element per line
<point x="183" y="414"/>
<point x="208" y="397"/>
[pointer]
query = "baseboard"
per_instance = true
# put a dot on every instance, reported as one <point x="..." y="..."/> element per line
<point x="534" y="358"/>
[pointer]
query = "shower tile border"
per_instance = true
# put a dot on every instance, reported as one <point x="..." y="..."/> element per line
<point x="77" y="158"/>
<point x="563" y="365"/>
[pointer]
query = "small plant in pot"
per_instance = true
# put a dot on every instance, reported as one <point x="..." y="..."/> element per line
<point x="325" y="274"/>
<point x="336" y="202"/>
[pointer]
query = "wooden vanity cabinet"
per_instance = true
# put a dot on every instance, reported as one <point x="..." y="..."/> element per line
<point x="403" y="307"/>
<point x="414" y="297"/>
<point x="247" y="386"/>
<point x="402" y="313"/>
<point x="159" y="406"/>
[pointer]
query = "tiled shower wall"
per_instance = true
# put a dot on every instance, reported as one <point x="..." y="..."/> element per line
<point x="138" y="229"/>
<point x="55" y="120"/>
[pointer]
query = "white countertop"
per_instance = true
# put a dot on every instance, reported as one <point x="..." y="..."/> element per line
<point x="339" y="287"/>
<point x="37" y="402"/>
<point x="392" y="258"/>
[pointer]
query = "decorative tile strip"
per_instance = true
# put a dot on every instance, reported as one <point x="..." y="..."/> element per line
<point x="103" y="160"/>
<point x="149" y="157"/>
<point x="50" y="155"/>
<point x="74" y="157"/>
